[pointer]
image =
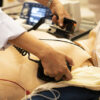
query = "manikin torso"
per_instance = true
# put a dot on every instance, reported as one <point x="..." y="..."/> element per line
<point x="16" y="68"/>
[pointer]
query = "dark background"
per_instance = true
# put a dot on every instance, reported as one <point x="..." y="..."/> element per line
<point x="1" y="3"/>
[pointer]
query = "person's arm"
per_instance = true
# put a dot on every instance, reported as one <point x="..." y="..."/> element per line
<point x="9" y="29"/>
<point x="44" y="2"/>
<point x="56" y="8"/>
<point x="54" y="63"/>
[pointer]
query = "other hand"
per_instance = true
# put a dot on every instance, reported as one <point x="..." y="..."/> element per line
<point x="58" y="9"/>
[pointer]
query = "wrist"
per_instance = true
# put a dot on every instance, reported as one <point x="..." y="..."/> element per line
<point x="53" y="5"/>
<point x="46" y="52"/>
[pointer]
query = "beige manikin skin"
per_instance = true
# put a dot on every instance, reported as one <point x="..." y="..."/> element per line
<point x="15" y="67"/>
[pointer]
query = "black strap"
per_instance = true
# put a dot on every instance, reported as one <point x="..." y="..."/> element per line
<point x="40" y="22"/>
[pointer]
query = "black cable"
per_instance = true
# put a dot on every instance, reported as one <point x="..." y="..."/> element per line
<point x="62" y="41"/>
<point x="24" y="52"/>
<point x="40" y="72"/>
<point x="40" y="22"/>
<point x="36" y="61"/>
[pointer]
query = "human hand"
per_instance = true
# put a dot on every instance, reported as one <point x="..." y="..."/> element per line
<point x="54" y="64"/>
<point x="58" y="9"/>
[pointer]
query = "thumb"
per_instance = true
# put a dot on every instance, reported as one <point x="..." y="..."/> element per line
<point x="60" y="21"/>
<point x="54" y="19"/>
<point x="70" y="61"/>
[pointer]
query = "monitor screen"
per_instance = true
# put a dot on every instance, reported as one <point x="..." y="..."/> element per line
<point x="36" y="14"/>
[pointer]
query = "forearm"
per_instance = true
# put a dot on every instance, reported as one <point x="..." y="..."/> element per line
<point x="45" y="2"/>
<point x="30" y="43"/>
<point x="54" y="63"/>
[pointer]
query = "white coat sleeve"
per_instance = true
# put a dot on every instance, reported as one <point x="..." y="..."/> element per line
<point x="9" y="29"/>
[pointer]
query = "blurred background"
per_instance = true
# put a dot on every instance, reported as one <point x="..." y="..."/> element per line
<point x="84" y="12"/>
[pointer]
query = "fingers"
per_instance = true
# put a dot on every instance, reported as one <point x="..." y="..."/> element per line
<point x="57" y="21"/>
<point x="54" y="19"/>
<point x="45" y="72"/>
<point x="60" y="22"/>
<point x="61" y="75"/>
<point x="61" y="18"/>
<point x="58" y="77"/>
<point x="68" y="75"/>
<point x="49" y="74"/>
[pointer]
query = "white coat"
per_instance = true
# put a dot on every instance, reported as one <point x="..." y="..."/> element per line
<point x="9" y="29"/>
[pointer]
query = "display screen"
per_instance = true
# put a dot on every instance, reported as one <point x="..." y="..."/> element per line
<point x="36" y="14"/>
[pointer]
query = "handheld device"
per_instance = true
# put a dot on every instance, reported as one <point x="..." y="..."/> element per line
<point x="42" y="76"/>
<point x="69" y="27"/>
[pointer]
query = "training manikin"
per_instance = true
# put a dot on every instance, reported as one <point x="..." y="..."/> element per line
<point x="16" y="68"/>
